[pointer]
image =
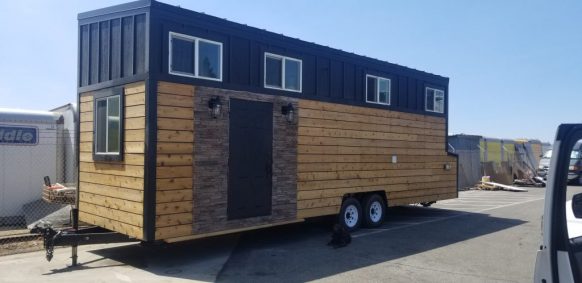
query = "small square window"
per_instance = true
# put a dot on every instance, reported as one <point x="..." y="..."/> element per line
<point x="108" y="126"/>
<point x="377" y="90"/>
<point x="195" y="57"/>
<point x="282" y="72"/>
<point x="434" y="100"/>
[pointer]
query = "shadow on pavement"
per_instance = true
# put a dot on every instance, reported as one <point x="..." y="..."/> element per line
<point x="297" y="252"/>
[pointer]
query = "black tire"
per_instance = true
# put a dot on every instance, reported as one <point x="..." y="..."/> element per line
<point x="374" y="210"/>
<point x="350" y="216"/>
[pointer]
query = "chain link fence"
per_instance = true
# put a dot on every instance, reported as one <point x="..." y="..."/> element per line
<point x="23" y="167"/>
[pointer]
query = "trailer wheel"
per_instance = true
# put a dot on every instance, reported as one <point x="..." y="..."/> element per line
<point x="374" y="210"/>
<point x="350" y="216"/>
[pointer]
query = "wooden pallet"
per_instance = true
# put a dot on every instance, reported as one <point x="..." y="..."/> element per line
<point x="59" y="194"/>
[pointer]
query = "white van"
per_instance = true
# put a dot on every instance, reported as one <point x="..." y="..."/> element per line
<point x="560" y="256"/>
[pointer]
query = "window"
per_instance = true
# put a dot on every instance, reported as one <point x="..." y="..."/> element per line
<point x="377" y="90"/>
<point x="434" y="100"/>
<point x="195" y="57"/>
<point x="108" y="126"/>
<point x="282" y="72"/>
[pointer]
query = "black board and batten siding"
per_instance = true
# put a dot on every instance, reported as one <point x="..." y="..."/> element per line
<point x="114" y="46"/>
<point x="112" y="49"/>
<point x="328" y="74"/>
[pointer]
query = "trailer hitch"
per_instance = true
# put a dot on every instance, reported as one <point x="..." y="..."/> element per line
<point x="48" y="237"/>
<point x="76" y="237"/>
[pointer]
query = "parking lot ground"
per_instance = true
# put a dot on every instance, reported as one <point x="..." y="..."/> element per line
<point x="483" y="236"/>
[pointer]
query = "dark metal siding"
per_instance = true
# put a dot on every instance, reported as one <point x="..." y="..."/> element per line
<point x="112" y="48"/>
<point x="328" y="74"/>
<point x="127" y="45"/>
<point x="240" y="64"/>
<point x="104" y="51"/>
<point x="116" y="48"/>
<point x="94" y="51"/>
<point x="139" y="38"/>
<point x="84" y="55"/>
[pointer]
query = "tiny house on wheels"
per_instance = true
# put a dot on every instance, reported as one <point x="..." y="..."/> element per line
<point x="193" y="126"/>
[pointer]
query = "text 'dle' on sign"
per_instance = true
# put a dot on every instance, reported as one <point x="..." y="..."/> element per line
<point x="18" y="135"/>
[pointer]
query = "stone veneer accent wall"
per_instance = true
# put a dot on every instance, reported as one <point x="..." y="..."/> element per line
<point x="211" y="151"/>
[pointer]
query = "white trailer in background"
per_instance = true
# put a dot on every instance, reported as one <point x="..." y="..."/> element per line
<point x="66" y="149"/>
<point x="33" y="144"/>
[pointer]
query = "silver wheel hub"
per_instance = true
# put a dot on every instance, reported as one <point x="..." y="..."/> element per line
<point x="351" y="216"/>
<point x="376" y="211"/>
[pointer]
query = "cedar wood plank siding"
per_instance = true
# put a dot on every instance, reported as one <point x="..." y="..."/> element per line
<point x="174" y="172"/>
<point x="347" y="149"/>
<point x="111" y="193"/>
<point x="341" y="149"/>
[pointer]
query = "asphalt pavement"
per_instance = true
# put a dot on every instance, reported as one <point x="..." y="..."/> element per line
<point x="483" y="236"/>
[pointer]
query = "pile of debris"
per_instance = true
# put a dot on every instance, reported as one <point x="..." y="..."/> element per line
<point x="530" y="182"/>
<point x="59" y="194"/>
<point x="487" y="185"/>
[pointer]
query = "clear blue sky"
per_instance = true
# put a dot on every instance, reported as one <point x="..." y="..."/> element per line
<point x="515" y="67"/>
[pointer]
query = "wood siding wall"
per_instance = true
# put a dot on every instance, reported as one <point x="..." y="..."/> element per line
<point x="174" y="172"/>
<point x="348" y="149"/>
<point x="111" y="193"/>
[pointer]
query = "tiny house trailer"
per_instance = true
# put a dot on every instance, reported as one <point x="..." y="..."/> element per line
<point x="193" y="126"/>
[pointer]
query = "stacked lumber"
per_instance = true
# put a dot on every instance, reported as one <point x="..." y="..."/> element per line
<point x="492" y="186"/>
<point x="60" y="194"/>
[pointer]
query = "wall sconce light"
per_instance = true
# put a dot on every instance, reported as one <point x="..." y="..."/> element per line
<point x="289" y="112"/>
<point x="214" y="107"/>
<point x="447" y="166"/>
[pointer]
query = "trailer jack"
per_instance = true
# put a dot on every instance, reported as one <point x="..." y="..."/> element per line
<point x="75" y="237"/>
<point x="428" y="203"/>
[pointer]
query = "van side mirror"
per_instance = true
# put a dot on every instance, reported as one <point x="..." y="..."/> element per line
<point x="577" y="205"/>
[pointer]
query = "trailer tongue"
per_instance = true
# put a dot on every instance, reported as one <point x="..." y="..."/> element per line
<point x="75" y="237"/>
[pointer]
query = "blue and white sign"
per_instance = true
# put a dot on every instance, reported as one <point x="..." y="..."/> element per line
<point x="18" y="135"/>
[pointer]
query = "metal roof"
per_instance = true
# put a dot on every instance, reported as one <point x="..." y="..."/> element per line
<point x="21" y="115"/>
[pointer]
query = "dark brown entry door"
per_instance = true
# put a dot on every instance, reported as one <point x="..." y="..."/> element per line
<point x="250" y="160"/>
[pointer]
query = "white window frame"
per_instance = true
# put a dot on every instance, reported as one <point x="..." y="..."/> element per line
<point x="377" y="95"/>
<point x="107" y="152"/>
<point x="196" y="41"/>
<point x="436" y="90"/>
<point x="283" y="81"/>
